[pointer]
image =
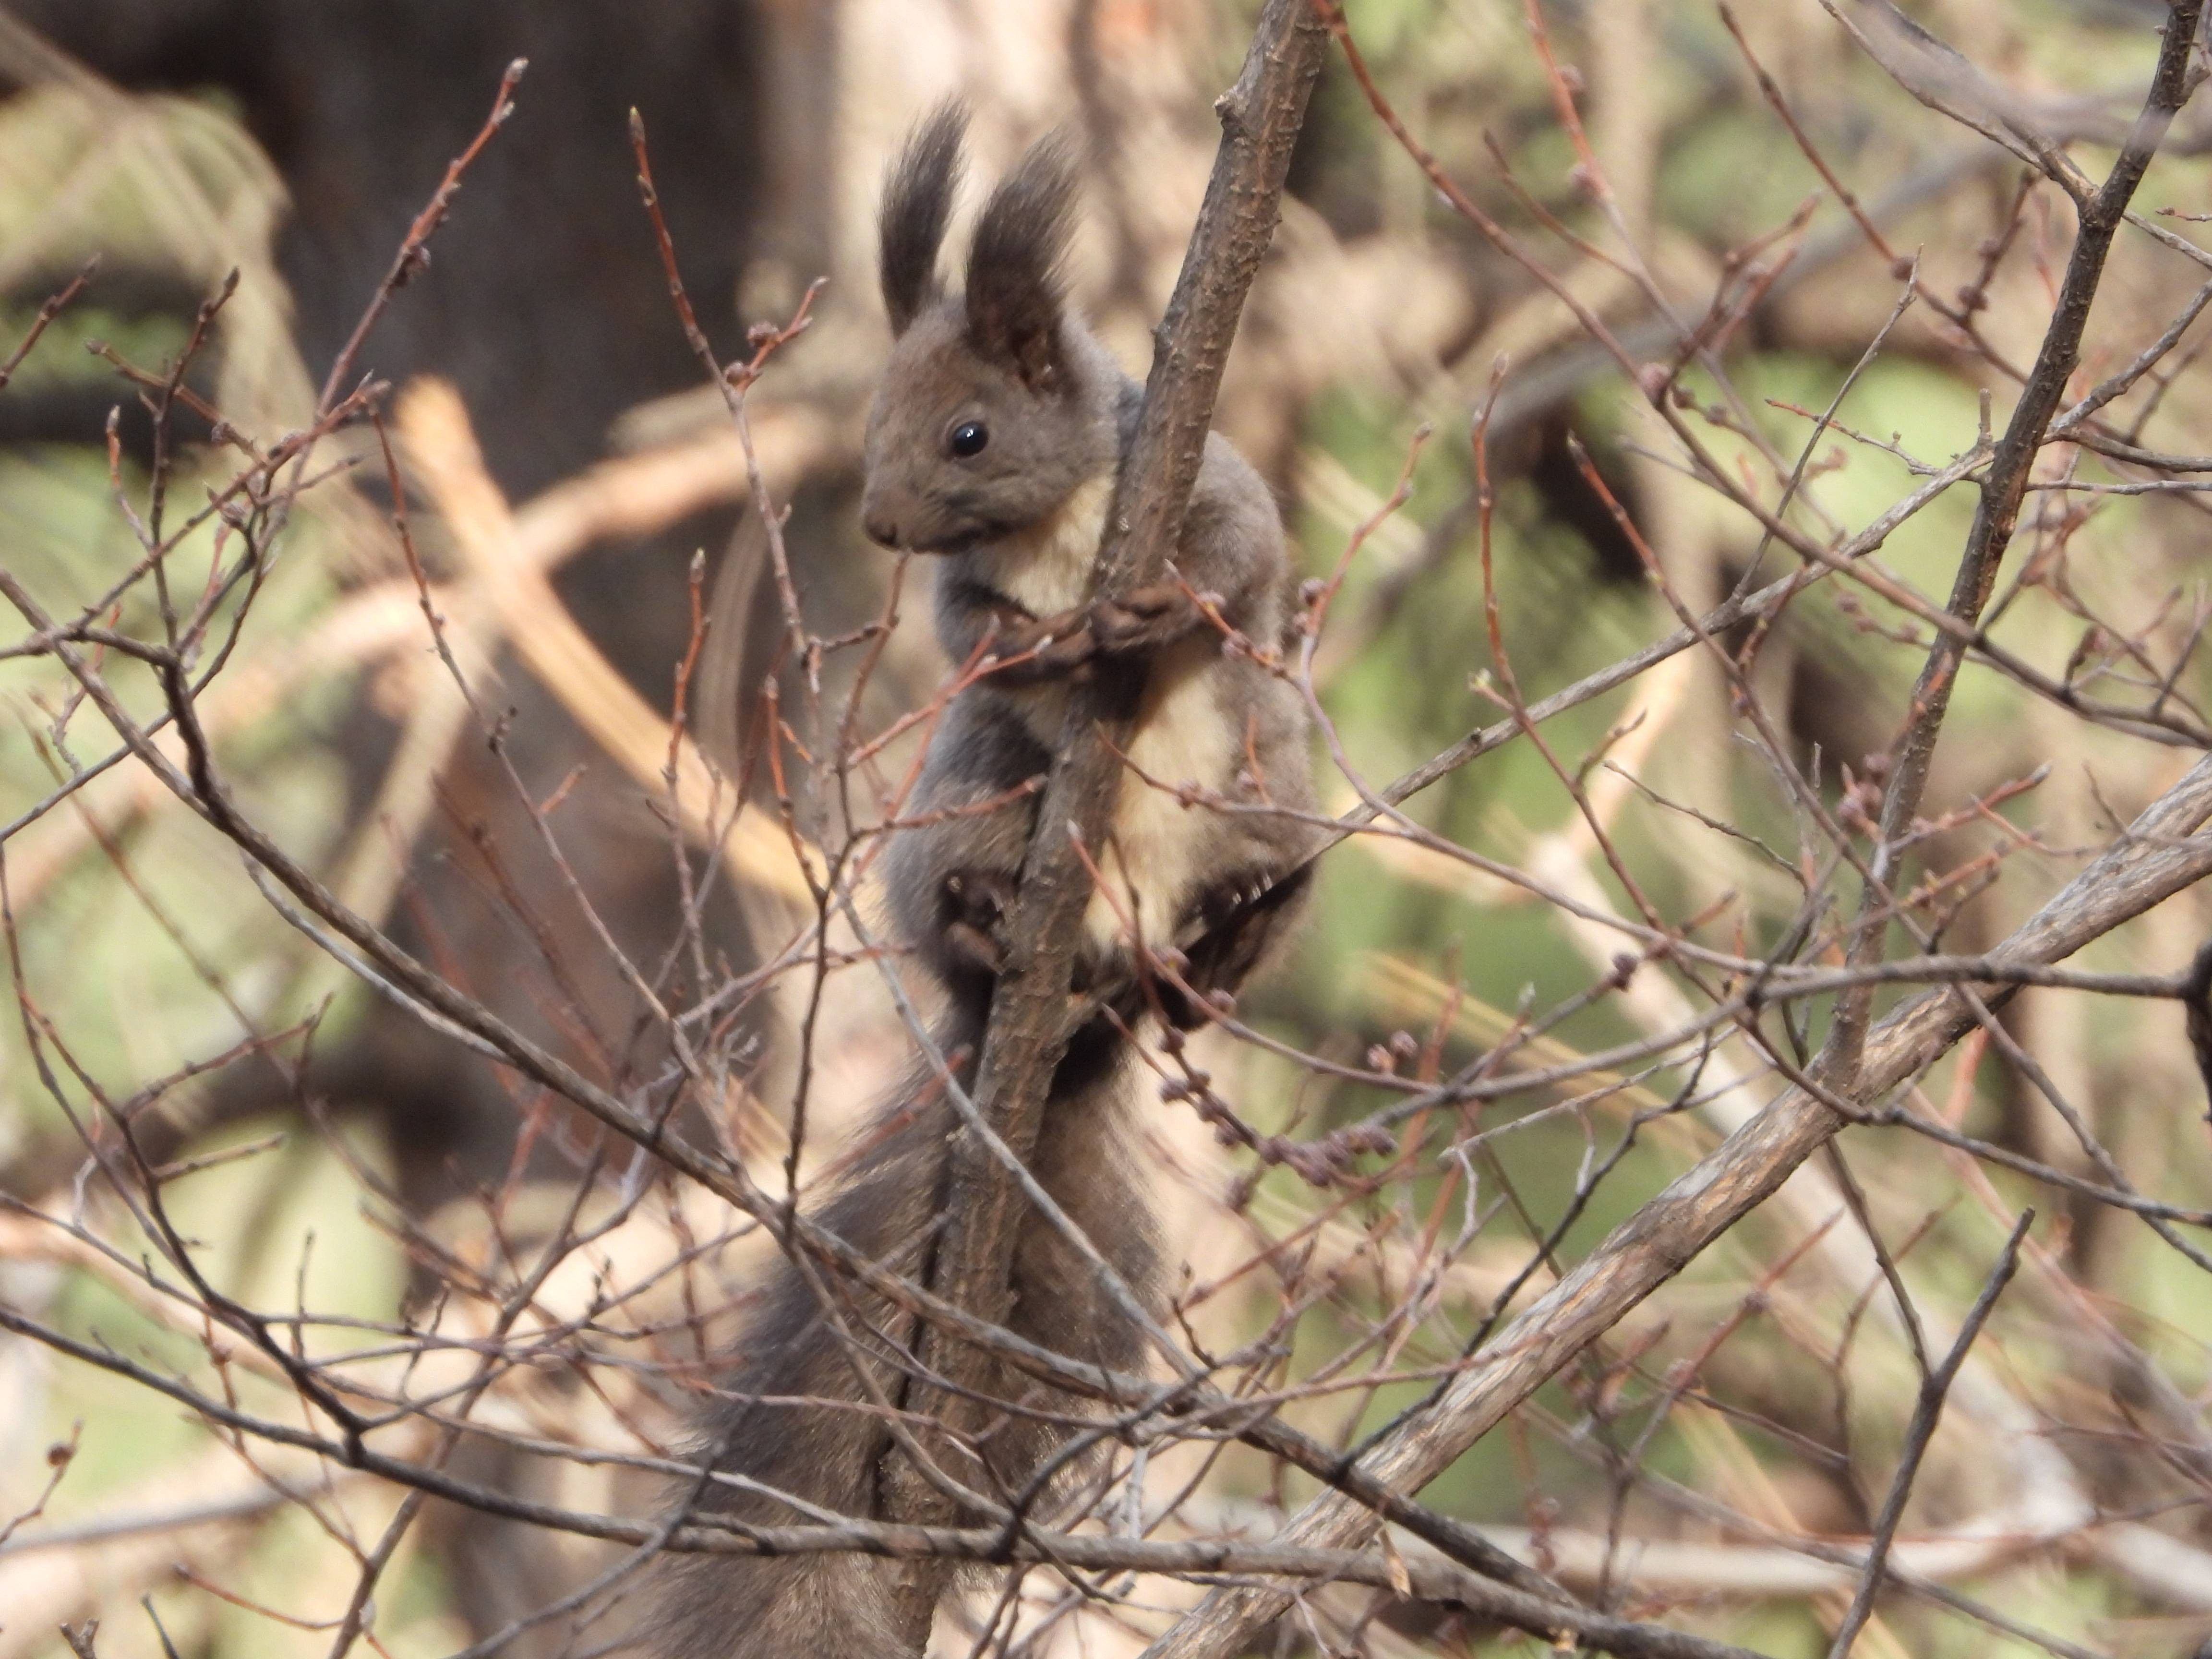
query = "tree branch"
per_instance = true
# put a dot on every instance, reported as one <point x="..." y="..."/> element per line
<point x="2148" y="865"/>
<point x="1927" y="1412"/>
<point x="2004" y="486"/>
<point x="1034" y="1012"/>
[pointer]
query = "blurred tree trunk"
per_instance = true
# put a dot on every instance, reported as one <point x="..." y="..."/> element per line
<point x="544" y="304"/>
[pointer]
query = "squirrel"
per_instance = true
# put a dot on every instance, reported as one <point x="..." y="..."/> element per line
<point x="992" y="443"/>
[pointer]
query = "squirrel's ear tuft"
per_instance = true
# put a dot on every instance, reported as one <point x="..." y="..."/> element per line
<point x="1015" y="295"/>
<point x="917" y="202"/>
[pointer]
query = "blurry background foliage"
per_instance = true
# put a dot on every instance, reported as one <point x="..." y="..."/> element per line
<point x="157" y="953"/>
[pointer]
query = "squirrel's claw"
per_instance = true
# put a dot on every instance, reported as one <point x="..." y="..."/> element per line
<point x="975" y="904"/>
<point x="1046" y="649"/>
<point x="1156" y="615"/>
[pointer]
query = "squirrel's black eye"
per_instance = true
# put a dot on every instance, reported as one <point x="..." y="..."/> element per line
<point x="968" y="439"/>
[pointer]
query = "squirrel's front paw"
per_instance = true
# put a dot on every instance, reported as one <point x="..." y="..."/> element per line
<point x="1238" y="918"/>
<point x="977" y="903"/>
<point x="1048" y="648"/>
<point x="1153" y="615"/>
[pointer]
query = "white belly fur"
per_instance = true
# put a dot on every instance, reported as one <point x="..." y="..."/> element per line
<point x="1180" y="737"/>
<point x="1049" y="567"/>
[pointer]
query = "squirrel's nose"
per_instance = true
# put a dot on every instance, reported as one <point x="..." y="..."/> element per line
<point x="882" y="527"/>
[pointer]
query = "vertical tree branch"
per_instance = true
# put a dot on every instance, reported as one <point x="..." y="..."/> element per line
<point x="1927" y="1412"/>
<point x="1034" y="1012"/>
<point x="2003" y="488"/>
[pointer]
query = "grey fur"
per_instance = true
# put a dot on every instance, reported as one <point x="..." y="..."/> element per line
<point x="837" y="1606"/>
<point x="1014" y="294"/>
<point x="1055" y="440"/>
<point x="917" y="202"/>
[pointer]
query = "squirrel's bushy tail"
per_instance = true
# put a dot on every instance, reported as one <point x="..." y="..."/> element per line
<point x="791" y="1411"/>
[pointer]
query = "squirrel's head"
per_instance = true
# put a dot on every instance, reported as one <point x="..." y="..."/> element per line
<point x="996" y="403"/>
